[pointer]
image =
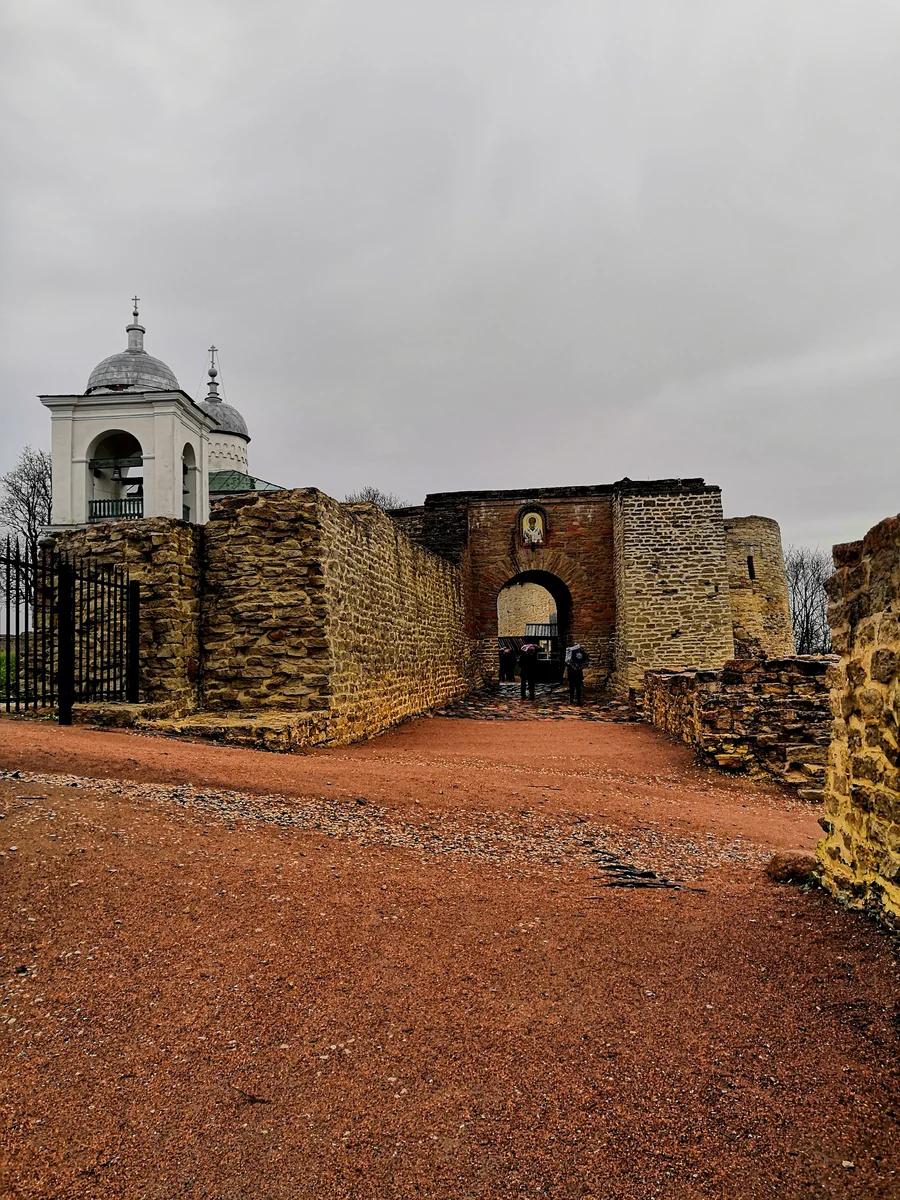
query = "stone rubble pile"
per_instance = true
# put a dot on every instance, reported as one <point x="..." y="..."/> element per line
<point x="771" y="715"/>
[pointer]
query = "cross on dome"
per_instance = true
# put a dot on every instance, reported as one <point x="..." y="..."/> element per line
<point x="213" y="372"/>
<point x="229" y="422"/>
<point x="132" y="369"/>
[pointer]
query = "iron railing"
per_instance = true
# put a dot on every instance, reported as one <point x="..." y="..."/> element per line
<point x="129" y="509"/>
<point x="70" y="631"/>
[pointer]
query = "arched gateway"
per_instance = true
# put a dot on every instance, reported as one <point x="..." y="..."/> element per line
<point x="536" y="606"/>
<point x="646" y="568"/>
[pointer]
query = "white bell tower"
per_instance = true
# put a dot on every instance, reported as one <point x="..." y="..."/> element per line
<point x="132" y="445"/>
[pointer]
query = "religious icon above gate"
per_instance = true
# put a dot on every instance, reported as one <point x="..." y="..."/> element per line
<point x="532" y="524"/>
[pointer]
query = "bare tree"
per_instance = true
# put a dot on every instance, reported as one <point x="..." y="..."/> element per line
<point x="806" y="572"/>
<point x="25" y="496"/>
<point x="374" y="495"/>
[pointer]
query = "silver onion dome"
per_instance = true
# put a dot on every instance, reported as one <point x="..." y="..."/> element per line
<point x="226" y="416"/>
<point x="132" y="370"/>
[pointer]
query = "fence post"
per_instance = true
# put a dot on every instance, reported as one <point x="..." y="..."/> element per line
<point x="66" y="653"/>
<point x="133" y="646"/>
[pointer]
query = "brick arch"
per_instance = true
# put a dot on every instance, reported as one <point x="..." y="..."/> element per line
<point x="557" y="588"/>
<point x="579" y="552"/>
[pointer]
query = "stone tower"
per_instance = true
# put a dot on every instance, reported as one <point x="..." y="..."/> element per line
<point x="760" y="609"/>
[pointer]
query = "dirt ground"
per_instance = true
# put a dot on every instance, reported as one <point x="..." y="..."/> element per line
<point x="421" y="967"/>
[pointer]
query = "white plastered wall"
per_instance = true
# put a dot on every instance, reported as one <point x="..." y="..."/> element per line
<point x="227" y="452"/>
<point x="162" y="423"/>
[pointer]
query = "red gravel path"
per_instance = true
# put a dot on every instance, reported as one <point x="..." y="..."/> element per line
<point x="619" y="773"/>
<point x="198" y="1005"/>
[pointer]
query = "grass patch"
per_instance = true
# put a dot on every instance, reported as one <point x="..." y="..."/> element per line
<point x="7" y="673"/>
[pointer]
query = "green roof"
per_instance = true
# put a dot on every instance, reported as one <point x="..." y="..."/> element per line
<point x="225" y="483"/>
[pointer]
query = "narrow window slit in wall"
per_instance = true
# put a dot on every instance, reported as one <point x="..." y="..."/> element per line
<point x="751" y="569"/>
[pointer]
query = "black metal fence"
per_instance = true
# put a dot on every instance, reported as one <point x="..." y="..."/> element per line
<point x="70" y="631"/>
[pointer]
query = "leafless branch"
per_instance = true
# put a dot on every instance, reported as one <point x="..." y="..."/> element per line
<point x="374" y="495"/>
<point x="807" y="571"/>
<point x="25" y="496"/>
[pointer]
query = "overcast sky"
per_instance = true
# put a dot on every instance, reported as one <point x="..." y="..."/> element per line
<point x="476" y="244"/>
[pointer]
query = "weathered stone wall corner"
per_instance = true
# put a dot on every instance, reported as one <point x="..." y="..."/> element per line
<point x="860" y="852"/>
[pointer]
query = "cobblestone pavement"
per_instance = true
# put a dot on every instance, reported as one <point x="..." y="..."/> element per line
<point x="551" y="702"/>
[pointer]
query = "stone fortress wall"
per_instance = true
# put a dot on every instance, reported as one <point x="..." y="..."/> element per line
<point x="395" y="624"/>
<point x="264" y="608"/>
<point x="643" y="567"/>
<point x="671" y="579"/>
<point x="290" y="601"/>
<point x="860" y="853"/>
<point x="321" y="607"/>
<point x="767" y="715"/>
<point x="162" y="555"/>
<point x="757" y="588"/>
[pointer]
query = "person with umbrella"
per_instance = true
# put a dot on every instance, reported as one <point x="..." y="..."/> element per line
<point x="528" y="661"/>
<point x="576" y="661"/>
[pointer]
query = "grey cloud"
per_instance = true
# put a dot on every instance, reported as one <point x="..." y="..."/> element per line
<point x="476" y="244"/>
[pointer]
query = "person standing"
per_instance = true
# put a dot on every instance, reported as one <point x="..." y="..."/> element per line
<point x="507" y="664"/>
<point x="528" y="661"/>
<point x="576" y="661"/>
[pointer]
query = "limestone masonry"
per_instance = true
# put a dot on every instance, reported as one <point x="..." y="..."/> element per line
<point x="164" y="557"/>
<point x="760" y="611"/>
<point x="318" y="607"/>
<point x="769" y="715"/>
<point x="641" y="572"/>
<point x="860" y="852"/>
<point x="520" y="604"/>
<point x="396" y="622"/>
<point x="672" y="580"/>
<point x="343" y="619"/>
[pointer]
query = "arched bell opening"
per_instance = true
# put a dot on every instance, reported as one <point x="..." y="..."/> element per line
<point x="535" y="606"/>
<point x="188" y="483"/>
<point x="115" y="477"/>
